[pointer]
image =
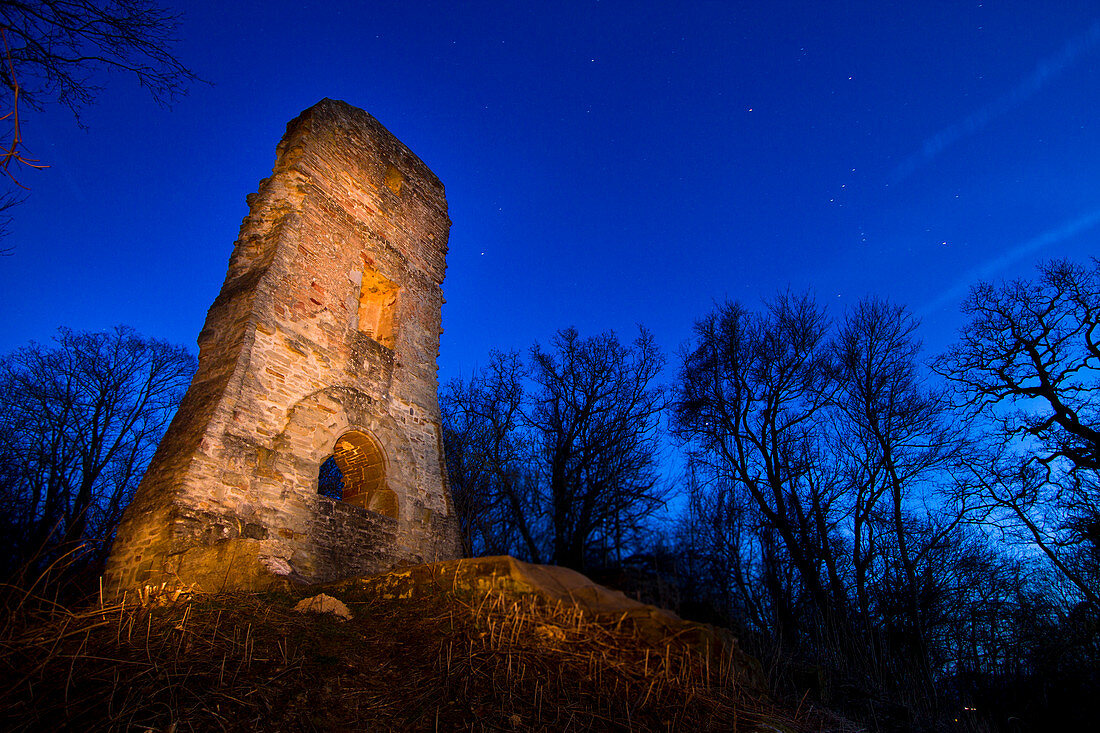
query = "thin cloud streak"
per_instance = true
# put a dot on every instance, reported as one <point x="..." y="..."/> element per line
<point x="955" y="293"/>
<point x="1047" y="70"/>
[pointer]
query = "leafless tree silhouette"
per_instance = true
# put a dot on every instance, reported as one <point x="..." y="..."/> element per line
<point x="79" y="421"/>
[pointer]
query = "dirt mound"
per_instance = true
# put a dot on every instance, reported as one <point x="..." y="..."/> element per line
<point x="491" y="644"/>
<point x="502" y="574"/>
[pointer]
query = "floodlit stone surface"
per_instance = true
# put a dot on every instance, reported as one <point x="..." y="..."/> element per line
<point x="323" y="341"/>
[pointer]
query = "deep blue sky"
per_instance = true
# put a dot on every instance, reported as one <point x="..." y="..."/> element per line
<point x="606" y="163"/>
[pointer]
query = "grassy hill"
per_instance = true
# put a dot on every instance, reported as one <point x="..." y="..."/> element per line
<point x="489" y="645"/>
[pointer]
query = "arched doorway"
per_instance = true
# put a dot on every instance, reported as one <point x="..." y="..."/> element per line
<point x="356" y="473"/>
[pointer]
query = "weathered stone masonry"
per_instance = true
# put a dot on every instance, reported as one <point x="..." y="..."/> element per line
<point x="322" y="342"/>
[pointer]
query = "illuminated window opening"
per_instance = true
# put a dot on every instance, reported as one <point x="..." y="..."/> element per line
<point x="356" y="473"/>
<point x="330" y="480"/>
<point x="377" y="303"/>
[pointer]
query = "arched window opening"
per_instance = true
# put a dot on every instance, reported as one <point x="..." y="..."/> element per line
<point x="356" y="473"/>
<point x="330" y="480"/>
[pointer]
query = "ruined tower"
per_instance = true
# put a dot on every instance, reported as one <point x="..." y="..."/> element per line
<point x="320" y="350"/>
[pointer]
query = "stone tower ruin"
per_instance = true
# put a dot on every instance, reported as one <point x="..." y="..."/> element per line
<point x="319" y="351"/>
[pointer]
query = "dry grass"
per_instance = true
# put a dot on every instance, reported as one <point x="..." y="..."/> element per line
<point x="485" y="661"/>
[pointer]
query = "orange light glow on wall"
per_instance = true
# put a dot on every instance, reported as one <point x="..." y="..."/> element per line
<point x="377" y="303"/>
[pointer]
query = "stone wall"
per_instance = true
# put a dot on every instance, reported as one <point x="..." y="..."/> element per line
<point x="327" y="325"/>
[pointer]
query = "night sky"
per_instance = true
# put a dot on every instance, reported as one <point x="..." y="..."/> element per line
<point x="606" y="163"/>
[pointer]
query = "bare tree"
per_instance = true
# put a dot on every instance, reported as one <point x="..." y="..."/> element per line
<point x="492" y="480"/>
<point x="1029" y="360"/>
<point x="595" y="416"/>
<point x="753" y="390"/>
<point x="558" y="461"/>
<point x="1026" y="372"/>
<point x="57" y="50"/>
<point x="843" y="507"/>
<point x="80" y="421"/>
<point x="897" y="438"/>
<point x="826" y="460"/>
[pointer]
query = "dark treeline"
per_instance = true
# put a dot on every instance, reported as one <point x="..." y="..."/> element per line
<point x="915" y="543"/>
<point x="912" y="542"/>
<point x="79" y="421"/>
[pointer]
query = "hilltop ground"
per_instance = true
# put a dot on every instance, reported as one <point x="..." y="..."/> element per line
<point x="490" y="645"/>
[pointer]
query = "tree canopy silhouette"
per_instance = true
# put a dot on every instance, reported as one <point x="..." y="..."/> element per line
<point x="79" y="421"/>
<point x="558" y="460"/>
